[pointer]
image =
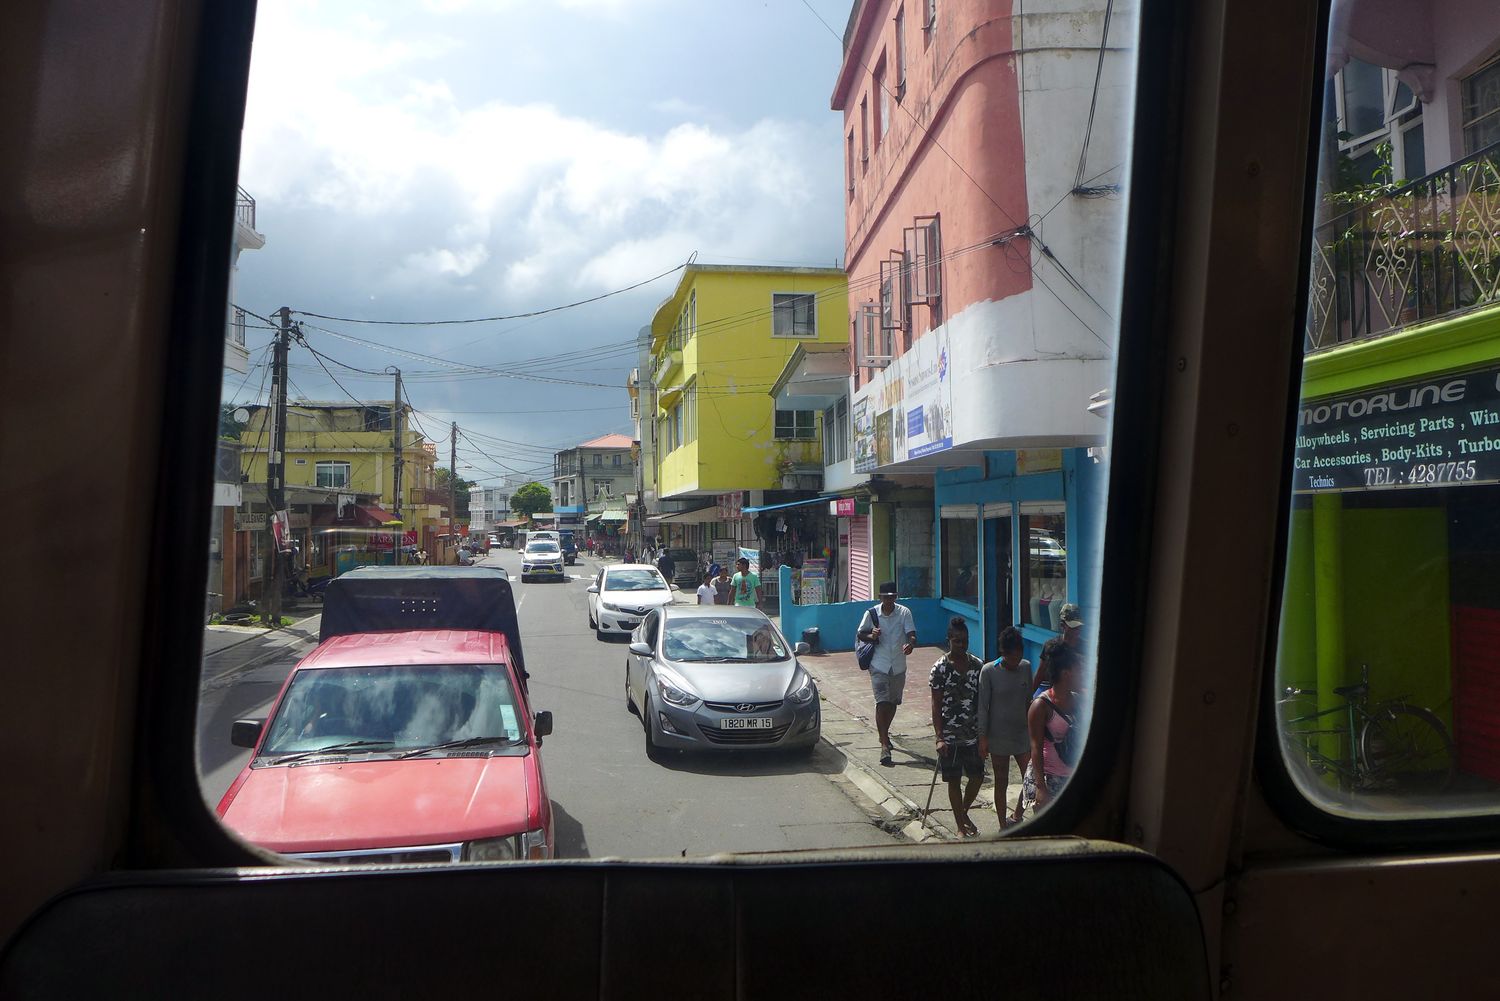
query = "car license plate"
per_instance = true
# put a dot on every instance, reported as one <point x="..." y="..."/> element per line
<point x="745" y="723"/>
<point x="628" y="623"/>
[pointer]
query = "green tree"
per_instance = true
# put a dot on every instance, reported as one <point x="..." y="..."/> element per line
<point x="530" y="499"/>
<point x="460" y="493"/>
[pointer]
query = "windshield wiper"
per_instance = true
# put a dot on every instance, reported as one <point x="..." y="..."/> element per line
<point x="720" y="660"/>
<point x="347" y="745"/>
<point x="466" y="742"/>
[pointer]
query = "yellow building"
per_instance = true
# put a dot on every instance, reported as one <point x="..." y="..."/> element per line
<point x="340" y="483"/>
<point x="717" y="345"/>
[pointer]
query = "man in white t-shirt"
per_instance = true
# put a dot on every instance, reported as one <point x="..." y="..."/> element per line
<point x="891" y="628"/>
<point x="706" y="592"/>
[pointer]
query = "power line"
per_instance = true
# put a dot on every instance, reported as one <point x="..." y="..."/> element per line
<point x="495" y="319"/>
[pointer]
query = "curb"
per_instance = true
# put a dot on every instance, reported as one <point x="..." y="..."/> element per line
<point x="904" y="816"/>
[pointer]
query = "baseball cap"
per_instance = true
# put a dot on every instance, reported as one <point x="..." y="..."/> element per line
<point x="1069" y="616"/>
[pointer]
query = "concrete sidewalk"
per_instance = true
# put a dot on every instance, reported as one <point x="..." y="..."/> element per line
<point x="901" y="790"/>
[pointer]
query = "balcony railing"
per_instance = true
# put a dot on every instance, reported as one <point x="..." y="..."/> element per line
<point x="244" y="208"/>
<point x="1426" y="250"/>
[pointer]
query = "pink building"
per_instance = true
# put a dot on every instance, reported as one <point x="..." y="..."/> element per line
<point x="985" y="148"/>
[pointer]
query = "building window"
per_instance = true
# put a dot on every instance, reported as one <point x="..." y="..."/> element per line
<point x="1361" y="101"/>
<point x="615" y="461"/>
<point x="1481" y="108"/>
<point x="333" y="474"/>
<point x="882" y="102"/>
<point x="796" y="425"/>
<point x="677" y="438"/>
<point x="598" y="460"/>
<point x="864" y="131"/>
<point x="836" y="433"/>
<point x="960" y="553"/>
<point x="794" y="315"/>
<point x="1044" y="585"/>
<point x="690" y="402"/>
<point x="851" y="163"/>
<point x="900" y="52"/>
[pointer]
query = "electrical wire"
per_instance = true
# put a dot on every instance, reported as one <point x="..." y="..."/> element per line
<point x="496" y="319"/>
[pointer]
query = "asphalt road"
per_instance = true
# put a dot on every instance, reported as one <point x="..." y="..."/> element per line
<point x="608" y="799"/>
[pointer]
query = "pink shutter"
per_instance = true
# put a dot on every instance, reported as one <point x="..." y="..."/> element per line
<point x="859" y="558"/>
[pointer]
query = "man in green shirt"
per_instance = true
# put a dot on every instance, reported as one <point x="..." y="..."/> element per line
<point x="746" y="585"/>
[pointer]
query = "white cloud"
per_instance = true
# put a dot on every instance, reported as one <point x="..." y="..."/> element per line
<point x="520" y="199"/>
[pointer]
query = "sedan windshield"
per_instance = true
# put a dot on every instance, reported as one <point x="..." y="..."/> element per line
<point x="542" y="547"/>
<point x="738" y="639"/>
<point x="634" y="580"/>
<point x="394" y="708"/>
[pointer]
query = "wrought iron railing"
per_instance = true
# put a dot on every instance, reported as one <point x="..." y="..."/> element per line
<point x="1426" y="250"/>
<point x="244" y="208"/>
<point x="237" y="327"/>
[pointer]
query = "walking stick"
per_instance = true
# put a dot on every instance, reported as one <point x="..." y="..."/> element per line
<point x="928" y="811"/>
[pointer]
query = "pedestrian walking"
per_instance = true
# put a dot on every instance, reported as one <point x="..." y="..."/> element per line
<point x="1004" y="698"/>
<point x="723" y="588"/>
<point x="666" y="565"/>
<point x="955" y="720"/>
<point x="746" y="585"/>
<point x="1071" y="636"/>
<point x="706" y="593"/>
<point x="893" y="631"/>
<point x="1055" y="736"/>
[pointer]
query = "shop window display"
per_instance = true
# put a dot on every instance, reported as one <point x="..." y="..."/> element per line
<point x="1045" y="583"/>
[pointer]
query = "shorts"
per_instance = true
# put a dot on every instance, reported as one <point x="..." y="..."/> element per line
<point x="1055" y="784"/>
<point x="963" y="759"/>
<point x="888" y="687"/>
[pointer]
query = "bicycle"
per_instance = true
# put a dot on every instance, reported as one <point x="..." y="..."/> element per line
<point x="1394" y="746"/>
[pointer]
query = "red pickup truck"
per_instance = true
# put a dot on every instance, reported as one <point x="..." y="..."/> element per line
<point x="409" y="744"/>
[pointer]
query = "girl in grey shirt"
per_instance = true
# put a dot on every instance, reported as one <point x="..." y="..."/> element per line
<point x="1004" y="696"/>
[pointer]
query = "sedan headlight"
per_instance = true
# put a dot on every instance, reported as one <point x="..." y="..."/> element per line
<point x="493" y="849"/>
<point x="673" y="694"/>
<point x="608" y="607"/>
<point x="802" y="689"/>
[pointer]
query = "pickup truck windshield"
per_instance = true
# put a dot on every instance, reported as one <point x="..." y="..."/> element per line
<point x="396" y="708"/>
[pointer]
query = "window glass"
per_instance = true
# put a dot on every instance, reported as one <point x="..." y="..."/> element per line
<point x="793" y="315"/>
<point x="1390" y="605"/>
<point x="1364" y="98"/>
<point x="1481" y="108"/>
<point x="472" y="315"/>
<point x="1045" y="583"/>
<point x="960" y="557"/>
<point x="796" y="424"/>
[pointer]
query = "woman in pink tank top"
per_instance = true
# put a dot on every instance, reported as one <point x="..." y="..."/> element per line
<point x="1050" y="721"/>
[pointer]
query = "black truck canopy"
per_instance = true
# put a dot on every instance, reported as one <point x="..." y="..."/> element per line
<point x="387" y="599"/>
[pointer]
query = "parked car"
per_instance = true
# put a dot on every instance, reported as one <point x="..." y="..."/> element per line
<point x="542" y="558"/>
<point x="621" y="596"/>
<point x="719" y="678"/>
<point x="401" y="745"/>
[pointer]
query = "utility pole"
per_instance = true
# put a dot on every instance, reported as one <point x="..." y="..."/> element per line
<point x="453" y="485"/>
<point x="396" y="435"/>
<point x="276" y="471"/>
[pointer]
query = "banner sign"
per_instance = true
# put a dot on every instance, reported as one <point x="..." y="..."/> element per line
<point x="1433" y="433"/>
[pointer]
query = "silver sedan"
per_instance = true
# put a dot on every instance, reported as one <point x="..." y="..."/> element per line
<point x="719" y="678"/>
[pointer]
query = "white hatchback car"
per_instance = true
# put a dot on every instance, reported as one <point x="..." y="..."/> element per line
<point x="622" y="595"/>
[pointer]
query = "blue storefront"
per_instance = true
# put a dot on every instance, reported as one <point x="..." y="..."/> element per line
<point x="1016" y="538"/>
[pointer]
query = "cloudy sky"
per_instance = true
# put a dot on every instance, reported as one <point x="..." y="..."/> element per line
<point x="472" y="158"/>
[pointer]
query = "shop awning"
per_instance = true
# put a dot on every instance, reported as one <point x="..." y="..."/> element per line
<point x="517" y="523"/>
<point x="801" y="503"/>
<point x="610" y="516"/>
<point x="699" y="516"/>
